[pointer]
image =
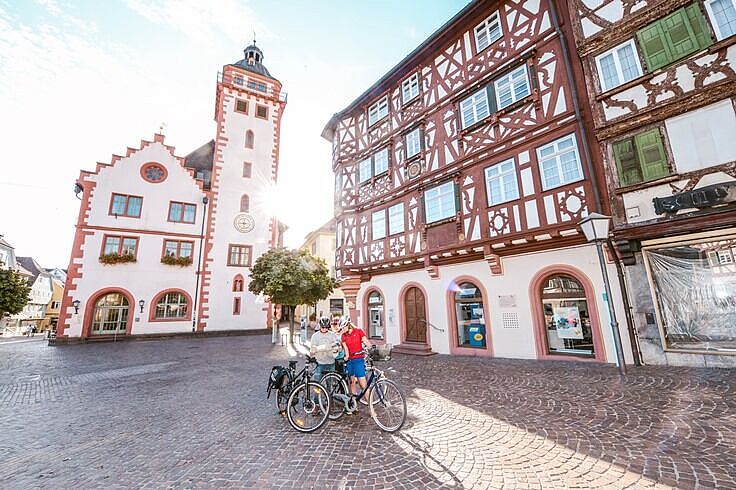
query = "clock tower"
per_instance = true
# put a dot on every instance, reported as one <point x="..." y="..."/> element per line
<point x="241" y="226"/>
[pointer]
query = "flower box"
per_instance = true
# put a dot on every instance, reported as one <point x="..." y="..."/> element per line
<point x="109" y="259"/>
<point x="180" y="261"/>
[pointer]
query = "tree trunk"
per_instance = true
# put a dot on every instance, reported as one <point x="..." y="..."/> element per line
<point x="291" y="324"/>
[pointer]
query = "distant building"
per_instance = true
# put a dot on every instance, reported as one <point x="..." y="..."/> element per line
<point x="321" y="243"/>
<point x="39" y="297"/>
<point x="7" y="254"/>
<point x="661" y="80"/>
<point x="58" y="274"/>
<point x="164" y="243"/>
<point x="51" y="318"/>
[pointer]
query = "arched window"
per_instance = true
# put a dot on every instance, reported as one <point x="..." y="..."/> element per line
<point x="471" y="324"/>
<point x="249" y="139"/>
<point x="171" y="305"/>
<point x="566" y="316"/>
<point x="244" y="203"/>
<point x="238" y="284"/>
<point x="375" y="315"/>
<point x="110" y="315"/>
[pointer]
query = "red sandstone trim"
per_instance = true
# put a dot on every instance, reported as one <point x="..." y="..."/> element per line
<point x="147" y="165"/>
<point x="90" y="306"/>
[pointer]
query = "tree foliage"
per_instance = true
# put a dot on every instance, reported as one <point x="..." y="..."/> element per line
<point x="291" y="277"/>
<point x="14" y="291"/>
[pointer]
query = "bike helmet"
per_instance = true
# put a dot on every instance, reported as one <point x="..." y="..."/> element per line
<point x="344" y="321"/>
<point x="324" y="322"/>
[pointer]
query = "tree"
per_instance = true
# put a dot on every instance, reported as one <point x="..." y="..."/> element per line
<point x="291" y="278"/>
<point x="14" y="290"/>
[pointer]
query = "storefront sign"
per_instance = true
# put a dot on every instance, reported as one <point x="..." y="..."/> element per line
<point x="567" y="322"/>
<point x="703" y="197"/>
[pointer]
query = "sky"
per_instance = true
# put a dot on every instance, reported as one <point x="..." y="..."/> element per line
<point x="82" y="80"/>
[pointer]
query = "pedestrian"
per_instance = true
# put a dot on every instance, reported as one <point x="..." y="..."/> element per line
<point x="354" y="340"/>
<point x="324" y="346"/>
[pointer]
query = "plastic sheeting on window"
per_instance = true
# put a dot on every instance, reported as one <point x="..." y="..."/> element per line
<point x="696" y="292"/>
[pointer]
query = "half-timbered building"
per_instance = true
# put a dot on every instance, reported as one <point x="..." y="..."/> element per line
<point x="460" y="178"/>
<point x="661" y="83"/>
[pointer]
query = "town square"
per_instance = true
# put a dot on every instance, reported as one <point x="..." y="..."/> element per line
<point x="442" y="244"/>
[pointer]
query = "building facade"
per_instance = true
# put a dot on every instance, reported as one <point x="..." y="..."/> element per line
<point x="39" y="298"/>
<point x="164" y="243"/>
<point x="321" y="243"/>
<point x="51" y="317"/>
<point x="460" y="178"/>
<point x="661" y="79"/>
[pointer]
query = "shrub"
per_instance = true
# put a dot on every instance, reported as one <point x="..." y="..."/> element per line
<point x="180" y="261"/>
<point x="115" y="258"/>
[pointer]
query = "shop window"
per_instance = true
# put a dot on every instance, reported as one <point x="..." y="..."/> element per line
<point x="336" y="307"/>
<point x="469" y="318"/>
<point x="375" y="315"/>
<point x="566" y="316"/>
<point x="681" y="33"/>
<point x="640" y="158"/>
<point x="172" y="305"/>
<point x="695" y="291"/>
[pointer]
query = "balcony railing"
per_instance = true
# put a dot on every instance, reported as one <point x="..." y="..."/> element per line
<point x="251" y="86"/>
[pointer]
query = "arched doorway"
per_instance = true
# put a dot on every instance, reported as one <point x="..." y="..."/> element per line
<point x="110" y="314"/>
<point x="568" y="329"/>
<point x="415" y="316"/>
<point x="470" y="323"/>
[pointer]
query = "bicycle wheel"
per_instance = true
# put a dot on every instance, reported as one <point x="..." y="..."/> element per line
<point x="282" y="395"/>
<point x="308" y="407"/>
<point x="388" y="405"/>
<point x="336" y="388"/>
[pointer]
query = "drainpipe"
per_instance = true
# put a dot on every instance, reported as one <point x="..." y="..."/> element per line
<point x="633" y="337"/>
<point x="633" y="340"/>
<point x="205" y="200"/>
<point x="576" y="105"/>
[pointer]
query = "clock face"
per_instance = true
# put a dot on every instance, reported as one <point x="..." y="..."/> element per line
<point x="244" y="222"/>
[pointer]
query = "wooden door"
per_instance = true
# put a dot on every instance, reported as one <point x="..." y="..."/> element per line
<point x="415" y="316"/>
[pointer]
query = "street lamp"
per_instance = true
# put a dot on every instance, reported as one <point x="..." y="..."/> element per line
<point x="141" y="303"/>
<point x="76" y="304"/>
<point x="595" y="226"/>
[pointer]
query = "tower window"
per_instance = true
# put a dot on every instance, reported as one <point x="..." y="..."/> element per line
<point x="262" y="111"/>
<point x="241" y="106"/>
<point x="249" y="139"/>
<point x="247" y="169"/>
<point x="244" y="203"/>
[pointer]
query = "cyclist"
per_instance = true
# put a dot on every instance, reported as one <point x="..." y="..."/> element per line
<point x="353" y="342"/>
<point x="324" y="346"/>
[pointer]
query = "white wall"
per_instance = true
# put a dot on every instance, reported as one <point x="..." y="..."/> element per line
<point x="518" y="273"/>
<point x="146" y="277"/>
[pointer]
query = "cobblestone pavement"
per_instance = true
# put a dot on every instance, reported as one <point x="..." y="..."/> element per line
<point x="192" y="413"/>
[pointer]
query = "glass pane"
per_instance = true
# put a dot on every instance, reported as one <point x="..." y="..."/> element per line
<point x="695" y="288"/>
<point x="471" y="325"/>
<point x="170" y="248"/>
<point x="134" y="206"/>
<point x="129" y="245"/>
<point x="567" y="320"/>
<point x="724" y="12"/>
<point x="118" y="204"/>
<point x="112" y="245"/>
<point x="627" y="59"/>
<point x="609" y="76"/>
<point x="175" y="211"/>
<point x="189" y="210"/>
<point x="185" y="249"/>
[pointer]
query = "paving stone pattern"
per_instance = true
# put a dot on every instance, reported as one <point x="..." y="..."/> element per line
<point x="192" y="413"/>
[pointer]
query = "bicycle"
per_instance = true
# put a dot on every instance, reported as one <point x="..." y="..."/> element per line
<point x="385" y="399"/>
<point x="305" y="402"/>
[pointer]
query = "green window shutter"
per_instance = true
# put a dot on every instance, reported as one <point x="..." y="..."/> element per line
<point x="698" y="26"/>
<point x="680" y="37"/>
<point x="627" y="164"/>
<point x="651" y="154"/>
<point x="457" y="198"/>
<point x="654" y="46"/>
<point x="491" y="98"/>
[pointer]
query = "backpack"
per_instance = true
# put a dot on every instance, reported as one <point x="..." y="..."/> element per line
<point x="279" y="377"/>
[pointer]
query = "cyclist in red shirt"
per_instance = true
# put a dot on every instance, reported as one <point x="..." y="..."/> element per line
<point x="353" y="341"/>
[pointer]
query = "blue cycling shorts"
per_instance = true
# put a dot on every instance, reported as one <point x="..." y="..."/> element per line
<point x="356" y="367"/>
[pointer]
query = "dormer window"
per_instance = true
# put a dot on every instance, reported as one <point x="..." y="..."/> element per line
<point x="487" y="32"/>
<point x="378" y="111"/>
